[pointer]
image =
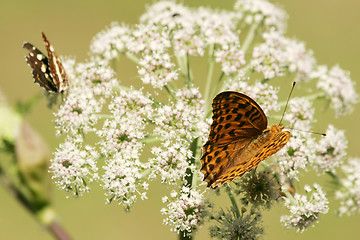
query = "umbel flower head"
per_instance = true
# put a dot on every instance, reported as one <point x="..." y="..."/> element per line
<point x="156" y="132"/>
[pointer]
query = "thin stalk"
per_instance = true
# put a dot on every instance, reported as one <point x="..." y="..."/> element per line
<point x="209" y="76"/>
<point x="58" y="231"/>
<point x="104" y="116"/>
<point x="215" y="90"/>
<point x="233" y="200"/>
<point x="249" y="37"/>
<point x="132" y="57"/>
<point x="289" y="195"/>
<point x="182" y="66"/>
<point x="309" y="97"/>
<point x="190" y="180"/>
<point x="150" y="139"/>
<point x="188" y="70"/>
<point x="171" y="93"/>
<point x="334" y="177"/>
<point x="218" y="84"/>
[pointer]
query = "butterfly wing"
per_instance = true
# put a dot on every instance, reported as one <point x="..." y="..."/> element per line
<point x="237" y="120"/>
<point x="235" y="116"/>
<point x="56" y="67"/>
<point x="244" y="161"/>
<point x="40" y="67"/>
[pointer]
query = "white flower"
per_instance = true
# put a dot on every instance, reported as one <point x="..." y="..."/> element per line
<point x="130" y="111"/>
<point x="74" y="167"/>
<point x="330" y="150"/>
<point x="296" y="155"/>
<point x="78" y="111"/>
<point x="300" y="114"/>
<point x="349" y="192"/>
<point x="123" y="180"/>
<point x="304" y="211"/>
<point x="231" y="58"/>
<point x="110" y="43"/>
<point x="186" y="212"/>
<point x="149" y="38"/>
<point x="217" y="27"/>
<point x="278" y="54"/>
<point x="157" y="69"/>
<point x="338" y="87"/>
<point x="255" y="11"/>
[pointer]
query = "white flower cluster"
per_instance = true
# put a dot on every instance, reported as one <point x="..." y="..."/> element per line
<point x="247" y="48"/>
<point x="349" y="192"/>
<point x="300" y="113"/>
<point x="185" y="210"/>
<point x="231" y="58"/>
<point x="330" y="150"/>
<point x="178" y="124"/>
<point x="122" y="179"/>
<point x="338" y="87"/>
<point x="299" y="151"/>
<point x="74" y="167"/>
<point x="279" y="55"/>
<point x="305" y="211"/>
<point x="121" y="142"/>
<point x="157" y="69"/>
<point x="256" y="11"/>
<point x="110" y="43"/>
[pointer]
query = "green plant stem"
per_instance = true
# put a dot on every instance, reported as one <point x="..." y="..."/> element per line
<point x="216" y="90"/>
<point x="150" y="139"/>
<point x="190" y="179"/>
<point x="209" y="77"/>
<point x="334" y="177"/>
<point x="56" y="229"/>
<point x="171" y="93"/>
<point x="132" y="57"/>
<point x="308" y="97"/>
<point x="249" y="37"/>
<point x="104" y="116"/>
<point x="188" y="70"/>
<point x="289" y="195"/>
<point x="233" y="200"/>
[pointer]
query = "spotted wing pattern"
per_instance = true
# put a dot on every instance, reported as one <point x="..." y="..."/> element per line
<point x="231" y="151"/>
<point x="48" y="72"/>
<point x="248" y="158"/>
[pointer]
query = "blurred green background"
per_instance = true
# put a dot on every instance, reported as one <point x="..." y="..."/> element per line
<point x="329" y="27"/>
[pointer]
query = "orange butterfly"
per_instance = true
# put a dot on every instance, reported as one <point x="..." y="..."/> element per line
<point x="239" y="138"/>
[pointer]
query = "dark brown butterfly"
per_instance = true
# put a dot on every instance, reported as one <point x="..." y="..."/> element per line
<point x="239" y="138"/>
<point x="48" y="71"/>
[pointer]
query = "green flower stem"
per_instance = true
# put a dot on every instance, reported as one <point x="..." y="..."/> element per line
<point x="132" y="57"/>
<point x="39" y="208"/>
<point x="334" y="177"/>
<point x="170" y="92"/>
<point x="311" y="97"/>
<point x="190" y="179"/>
<point x="216" y="90"/>
<point x="210" y="72"/>
<point x="188" y="71"/>
<point x="233" y="200"/>
<point x="58" y="231"/>
<point x="150" y="139"/>
<point x="104" y="116"/>
<point x="47" y="217"/>
<point x="289" y="195"/>
<point x="249" y="37"/>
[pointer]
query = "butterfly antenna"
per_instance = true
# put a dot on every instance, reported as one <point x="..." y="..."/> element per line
<point x="287" y="102"/>
<point x="322" y="134"/>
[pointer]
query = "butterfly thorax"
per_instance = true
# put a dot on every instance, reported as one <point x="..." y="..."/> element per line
<point x="266" y="136"/>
